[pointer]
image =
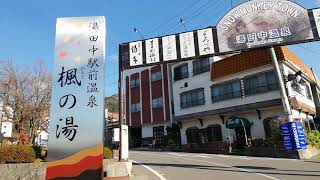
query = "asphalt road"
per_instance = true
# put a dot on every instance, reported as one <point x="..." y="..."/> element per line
<point x="193" y="166"/>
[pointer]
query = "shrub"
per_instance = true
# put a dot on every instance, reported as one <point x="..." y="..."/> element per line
<point x="17" y="154"/>
<point x="276" y="138"/>
<point x="108" y="153"/>
<point x="40" y="152"/>
<point x="313" y="138"/>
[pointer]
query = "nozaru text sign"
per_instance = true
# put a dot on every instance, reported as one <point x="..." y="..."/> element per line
<point x="75" y="148"/>
<point x="250" y="25"/>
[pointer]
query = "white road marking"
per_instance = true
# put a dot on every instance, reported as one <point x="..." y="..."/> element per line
<point x="189" y="155"/>
<point x="250" y="158"/>
<point x="224" y="165"/>
<point x="175" y="154"/>
<point x="152" y="170"/>
<point x="202" y="156"/>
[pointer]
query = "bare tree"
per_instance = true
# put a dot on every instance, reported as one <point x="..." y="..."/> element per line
<point x="25" y="94"/>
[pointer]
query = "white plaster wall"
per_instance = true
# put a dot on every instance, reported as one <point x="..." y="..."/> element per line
<point x="147" y="129"/>
<point x="300" y="97"/>
<point x="257" y="129"/>
<point x="204" y="81"/>
<point x="206" y="122"/>
<point x="296" y="115"/>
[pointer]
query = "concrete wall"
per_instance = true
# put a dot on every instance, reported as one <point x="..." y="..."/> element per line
<point x="33" y="171"/>
<point x="22" y="171"/>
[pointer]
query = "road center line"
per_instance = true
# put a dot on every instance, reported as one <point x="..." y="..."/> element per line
<point x="224" y="165"/>
<point x="150" y="169"/>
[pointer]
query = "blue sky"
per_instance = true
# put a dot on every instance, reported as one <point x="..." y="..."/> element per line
<point x="27" y="28"/>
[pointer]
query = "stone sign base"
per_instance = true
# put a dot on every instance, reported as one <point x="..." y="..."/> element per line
<point x="28" y="171"/>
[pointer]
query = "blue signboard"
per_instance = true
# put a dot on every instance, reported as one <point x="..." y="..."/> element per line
<point x="293" y="136"/>
<point x="285" y="132"/>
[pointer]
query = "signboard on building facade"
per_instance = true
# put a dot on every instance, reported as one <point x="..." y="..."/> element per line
<point x="293" y="135"/>
<point x="152" y="51"/>
<point x="135" y="53"/>
<point x="205" y="40"/>
<point x="169" y="48"/>
<point x="75" y="147"/>
<point x="316" y="15"/>
<point x="187" y="48"/>
<point x="253" y="24"/>
<point x="260" y="23"/>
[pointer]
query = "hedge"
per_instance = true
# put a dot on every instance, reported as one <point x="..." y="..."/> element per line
<point x="17" y="154"/>
<point x="108" y="153"/>
<point x="313" y="138"/>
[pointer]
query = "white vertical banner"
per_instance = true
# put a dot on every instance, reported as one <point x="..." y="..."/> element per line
<point x="75" y="147"/>
<point x="135" y="53"/>
<point x="205" y="40"/>
<point x="125" y="142"/>
<point x="152" y="51"/>
<point x="187" y="48"/>
<point x="316" y="14"/>
<point x="169" y="48"/>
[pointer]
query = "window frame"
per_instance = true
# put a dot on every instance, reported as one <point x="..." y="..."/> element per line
<point x="267" y="86"/>
<point x="295" y="86"/>
<point x="157" y="75"/>
<point x="214" y="136"/>
<point x="135" y="108"/>
<point x="181" y="76"/>
<point x="191" y="98"/>
<point x="307" y="91"/>
<point x="135" y="84"/>
<point x="193" y="135"/>
<point x="235" y="94"/>
<point x="201" y="65"/>
<point x="157" y="103"/>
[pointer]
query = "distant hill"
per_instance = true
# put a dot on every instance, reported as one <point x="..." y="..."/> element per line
<point x="112" y="103"/>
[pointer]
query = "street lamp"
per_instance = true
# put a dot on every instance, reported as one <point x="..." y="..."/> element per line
<point x="291" y="77"/>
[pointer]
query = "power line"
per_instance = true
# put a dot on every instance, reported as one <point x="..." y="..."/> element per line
<point x="176" y="25"/>
<point x="206" y="9"/>
<point x="309" y="49"/>
<point x="173" y="18"/>
<point x="199" y="11"/>
<point x="214" y="15"/>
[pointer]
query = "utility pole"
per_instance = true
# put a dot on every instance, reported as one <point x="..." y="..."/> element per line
<point x="283" y="93"/>
<point x="120" y="102"/>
